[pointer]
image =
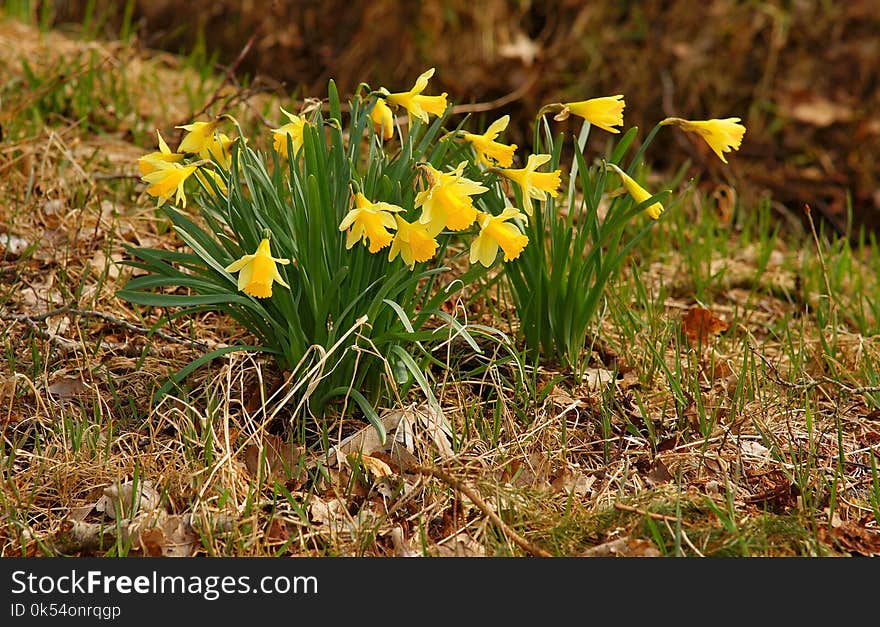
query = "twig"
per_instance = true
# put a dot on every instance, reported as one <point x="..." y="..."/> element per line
<point x="477" y="500"/>
<point x="774" y="373"/>
<point x="644" y="512"/>
<point x="228" y="77"/>
<point x="516" y="94"/>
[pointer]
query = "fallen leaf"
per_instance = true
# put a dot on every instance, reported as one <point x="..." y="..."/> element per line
<point x="700" y="323"/>
<point x="376" y="466"/>
<point x="67" y="387"/>
<point x="521" y="48"/>
<point x="280" y="459"/>
<point x="12" y="246"/>
<point x="821" y="112"/>
<point x="623" y="547"/>
<point x="120" y="501"/>
<point x="597" y="378"/>
<point x="852" y="538"/>
<point x="658" y="474"/>
<point x="573" y="481"/>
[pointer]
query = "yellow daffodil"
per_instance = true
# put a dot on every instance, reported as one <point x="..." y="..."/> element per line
<point x="447" y="202"/>
<point x="294" y="128"/>
<point x="217" y="147"/>
<point x="369" y="220"/>
<point x="145" y="163"/>
<point x="412" y="242"/>
<point x="198" y="137"/>
<point x="488" y="149"/>
<point x="638" y="193"/>
<point x="383" y="119"/>
<point x="415" y="103"/>
<point x="721" y="135"/>
<point x="495" y="231"/>
<point x="203" y="174"/>
<point x="257" y="272"/>
<point x="534" y="185"/>
<point x="168" y="178"/>
<point x="605" y="112"/>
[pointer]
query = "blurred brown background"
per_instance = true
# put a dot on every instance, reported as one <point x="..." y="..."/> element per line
<point x="802" y="74"/>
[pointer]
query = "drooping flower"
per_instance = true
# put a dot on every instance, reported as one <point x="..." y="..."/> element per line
<point x="168" y="178"/>
<point x="721" y="135"/>
<point x="218" y="148"/>
<point x="294" y="128"/>
<point x="203" y="174"/>
<point x="488" y="149"/>
<point x="146" y="163"/>
<point x="638" y="193"/>
<point x="605" y="112"/>
<point x="199" y="135"/>
<point x="412" y="241"/>
<point x="415" y="103"/>
<point x="383" y="119"/>
<point x="258" y="271"/>
<point x="447" y="202"/>
<point x="534" y="185"/>
<point x="496" y="231"/>
<point x="369" y="220"/>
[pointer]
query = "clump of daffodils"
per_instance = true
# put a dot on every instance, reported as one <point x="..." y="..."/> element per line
<point x="323" y="222"/>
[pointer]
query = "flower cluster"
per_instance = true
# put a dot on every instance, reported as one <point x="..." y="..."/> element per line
<point x="448" y="201"/>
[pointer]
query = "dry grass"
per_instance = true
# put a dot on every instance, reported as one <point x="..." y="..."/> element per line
<point x="750" y="442"/>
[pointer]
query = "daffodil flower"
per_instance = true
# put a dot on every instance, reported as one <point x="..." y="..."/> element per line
<point x="605" y="112"/>
<point x="638" y="193"/>
<point x="146" y="163"/>
<point x="447" y="202"/>
<point x="412" y="242"/>
<point x="167" y="179"/>
<point x="415" y="103"/>
<point x="198" y="136"/>
<point x="489" y="150"/>
<point x="496" y="232"/>
<point x="294" y="128"/>
<point x="258" y="271"/>
<point x="534" y="185"/>
<point x="218" y="147"/>
<point x="369" y="220"/>
<point x="383" y="119"/>
<point x="203" y="174"/>
<point x="721" y="135"/>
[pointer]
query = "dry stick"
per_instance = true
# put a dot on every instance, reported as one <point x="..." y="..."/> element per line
<point x="644" y="512"/>
<point x="227" y="77"/>
<point x="477" y="500"/>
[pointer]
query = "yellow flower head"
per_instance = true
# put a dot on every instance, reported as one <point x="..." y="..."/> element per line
<point x="412" y="242"/>
<point x="488" y="149"/>
<point x="383" y="119"/>
<point x="638" y="193"/>
<point x="495" y="231"/>
<point x="257" y="272"/>
<point x="199" y="135"/>
<point x="168" y="178"/>
<point x="415" y="103"/>
<point x="203" y="174"/>
<point x="721" y="135"/>
<point x="369" y="220"/>
<point x="146" y="163"/>
<point x="447" y="202"/>
<point x="606" y="112"/>
<point x="294" y="128"/>
<point x="218" y="147"/>
<point x="534" y="185"/>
